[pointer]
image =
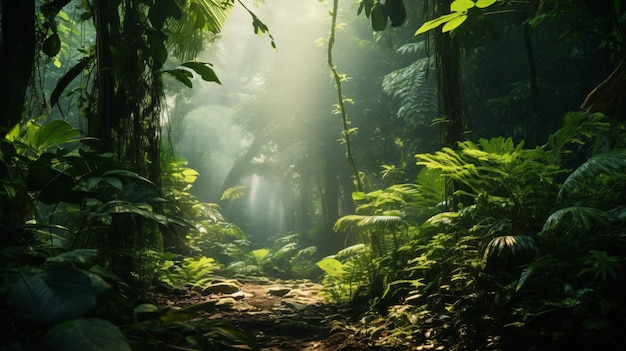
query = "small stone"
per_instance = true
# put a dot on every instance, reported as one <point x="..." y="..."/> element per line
<point x="226" y="303"/>
<point x="278" y="291"/>
<point x="295" y="306"/>
<point x="220" y="288"/>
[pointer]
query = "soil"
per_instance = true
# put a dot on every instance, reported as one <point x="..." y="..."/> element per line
<point x="277" y="315"/>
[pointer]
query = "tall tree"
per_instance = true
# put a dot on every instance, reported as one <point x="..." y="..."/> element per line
<point x="17" y="52"/>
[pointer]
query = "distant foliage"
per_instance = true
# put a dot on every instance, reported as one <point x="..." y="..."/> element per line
<point x="415" y="86"/>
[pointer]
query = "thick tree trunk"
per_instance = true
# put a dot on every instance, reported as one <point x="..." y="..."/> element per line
<point x="17" y="53"/>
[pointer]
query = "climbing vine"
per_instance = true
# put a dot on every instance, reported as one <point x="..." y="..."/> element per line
<point x="341" y="100"/>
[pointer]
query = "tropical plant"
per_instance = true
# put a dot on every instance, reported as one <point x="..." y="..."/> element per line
<point x="491" y="257"/>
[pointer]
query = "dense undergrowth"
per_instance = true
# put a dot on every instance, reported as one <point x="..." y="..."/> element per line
<point x="92" y="239"/>
<point x="494" y="247"/>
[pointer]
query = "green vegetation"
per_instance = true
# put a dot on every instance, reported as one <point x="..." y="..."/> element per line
<point x="531" y="255"/>
<point x="487" y="211"/>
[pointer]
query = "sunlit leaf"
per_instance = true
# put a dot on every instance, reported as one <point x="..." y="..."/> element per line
<point x="234" y="193"/>
<point x="259" y="255"/>
<point x="53" y="134"/>
<point x="461" y="5"/>
<point x="351" y="250"/>
<point x="331" y="266"/>
<point x="481" y="4"/>
<point x="358" y="195"/>
<point x="436" y="23"/>
<point x="453" y="24"/>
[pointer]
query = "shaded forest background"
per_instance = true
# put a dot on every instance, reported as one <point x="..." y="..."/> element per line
<point x="458" y="188"/>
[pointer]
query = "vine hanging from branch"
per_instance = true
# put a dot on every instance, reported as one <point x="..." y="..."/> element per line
<point x="340" y="98"/>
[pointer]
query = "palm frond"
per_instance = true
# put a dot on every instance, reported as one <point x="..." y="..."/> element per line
<point x="510" y="244"/>
<point x="606" y="163"/>
<point x="585" y="216"/>
<point x="349" y="223"/>
<point x="352" y="251"/>
<point x="201" y="20"/>
<point x="380" y="222"/>
<point x="577" y="127"/>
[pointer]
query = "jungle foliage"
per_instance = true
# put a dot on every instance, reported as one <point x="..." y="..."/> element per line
<point x="506" y="236"/>
<point x="532" y="258"/>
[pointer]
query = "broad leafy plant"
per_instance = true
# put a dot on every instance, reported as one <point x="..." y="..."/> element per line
<point x="503" y="245"/>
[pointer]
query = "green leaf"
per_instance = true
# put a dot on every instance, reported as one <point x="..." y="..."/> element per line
<point x="52" y="295"/>
<point x="204" y="70"/>
<point x="156" y="46"/>
<point x="481" y="4"/>
<point x="84" y="258"/>
<point x="161" y="10"/>
<point x="461" y="6"/>
<point x="436" y="22"/>
<point x="71" y="74"/>
<point x="453" y="24"/>
<point x="53" y="185"/>
<point x="53" y="134"/>
<point x="87" y="334"/>
<point x="379" y="17"/>
<point x="331" y="266"/>
<point x="522" y="278"/>
<point x="396" y="12"/>
<point x="181" y="75"/>
<point x="52" y="45"/>
<point x="259" y="255"/>
<point x="234" y="193"/>
<point x="610" y="162"/>
<point x="358" y="195"/>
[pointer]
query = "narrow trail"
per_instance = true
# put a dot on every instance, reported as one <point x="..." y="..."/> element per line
<point x="277" y="315"/>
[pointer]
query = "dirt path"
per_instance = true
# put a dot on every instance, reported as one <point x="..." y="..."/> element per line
<point x="278" y="315"/>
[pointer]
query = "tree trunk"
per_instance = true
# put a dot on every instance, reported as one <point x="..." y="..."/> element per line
<point x="449" y="82"/>
<point x="17" y="54"/>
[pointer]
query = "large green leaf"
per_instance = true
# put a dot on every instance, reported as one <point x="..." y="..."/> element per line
<point x="42" y="138"/>
<point x="87" y="334"/>
<point x="84" y="258"/>
<point x="52" y="295"/>
<point x="204" y="70"/>
<point x="379" y="17"/>
<point x="331" y="266"/>
<point x="610" y="162"/>
<point x="396" y="12"/>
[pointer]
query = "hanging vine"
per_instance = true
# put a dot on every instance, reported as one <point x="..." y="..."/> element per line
<point x="340" y="98"/>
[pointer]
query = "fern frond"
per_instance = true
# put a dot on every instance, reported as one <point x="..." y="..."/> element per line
<point x="448" y="162"/>
<point x="234" y="193"/>
<point x="417" y="93"/>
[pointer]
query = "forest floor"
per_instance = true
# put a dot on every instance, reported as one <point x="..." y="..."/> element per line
<point x="277" y="315"/>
